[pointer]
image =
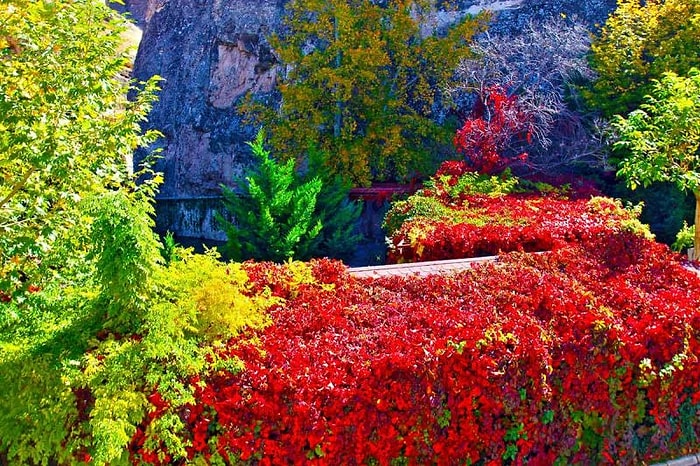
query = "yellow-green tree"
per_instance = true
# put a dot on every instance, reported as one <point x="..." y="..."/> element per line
<point x="639" y="42"/>
<point x="663" y="139"/>
<point x="362" y="82"/>
<point x="66" y="126"/>
<point x="91" y="322"/>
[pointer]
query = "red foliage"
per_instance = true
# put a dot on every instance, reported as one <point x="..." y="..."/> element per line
<point x="566" y="355"/>
<point x="492" y="225"/>
<point x="585" y="354"/>
<point x="452" y="168"/>
<point x="487" y="137"/>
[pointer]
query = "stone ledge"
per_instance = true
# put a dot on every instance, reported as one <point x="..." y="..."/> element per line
<point x="689" y="460"/>
<point x="419" y="268"/>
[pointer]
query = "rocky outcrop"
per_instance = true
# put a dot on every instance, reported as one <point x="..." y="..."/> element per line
<point x="212" y="52"/>
<point x="209" y="53"/>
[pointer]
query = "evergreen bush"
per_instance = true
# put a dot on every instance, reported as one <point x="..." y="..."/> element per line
<point x="281" y="214"/>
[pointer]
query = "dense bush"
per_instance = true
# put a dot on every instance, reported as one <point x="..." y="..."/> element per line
<point x="585" y="355"/>
<point x="463" y="214"/>
<point x="281" y="214"/>
<point x="79" y="356"/>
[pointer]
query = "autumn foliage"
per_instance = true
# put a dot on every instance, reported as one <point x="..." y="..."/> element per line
<point x="492" y="138"/>
<point x="462" y="214"/>
<point x="363" y="84"/>
<point x="585" y="354"/>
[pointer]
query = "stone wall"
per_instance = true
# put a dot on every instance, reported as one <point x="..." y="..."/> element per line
<point x="211" y="52"/>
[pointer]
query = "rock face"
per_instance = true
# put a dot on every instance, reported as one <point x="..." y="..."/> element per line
<point x="211" y="52"/>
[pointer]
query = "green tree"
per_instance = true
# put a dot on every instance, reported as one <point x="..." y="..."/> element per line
<point x="66" y="126"/>
<point x="362" y="83"/>
<point x="281" y="214"/>
<point x="110" y="332"/>
<point x="336" y="211"/>
<point x="663" y="138"/>
<point x="93" y="326"/>
<point x="273" y="217"/>
<point x="639" y="42"/>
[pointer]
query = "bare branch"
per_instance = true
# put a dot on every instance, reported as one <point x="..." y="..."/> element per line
<point x="541" y="65"/>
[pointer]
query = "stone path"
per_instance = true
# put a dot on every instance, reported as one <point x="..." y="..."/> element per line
<point x="433" y="267"/>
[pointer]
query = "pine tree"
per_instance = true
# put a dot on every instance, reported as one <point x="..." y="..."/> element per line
<point x="338" y="214"/>
<point x="274" y="216"/>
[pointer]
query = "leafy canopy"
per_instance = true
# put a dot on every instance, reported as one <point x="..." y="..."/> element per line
<point x="663" y="137"/>
<point x="93" y="327"/>
<point x="66" y="126"/>
<point x="362" y="82"/>
<point x="640" y="41"/>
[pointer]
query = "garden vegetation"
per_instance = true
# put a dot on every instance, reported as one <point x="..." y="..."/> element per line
<point x="579" y="345"/>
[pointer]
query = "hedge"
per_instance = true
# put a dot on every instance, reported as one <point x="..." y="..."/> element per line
<point x="587" y="354"/>
<point x="461" y="214"/>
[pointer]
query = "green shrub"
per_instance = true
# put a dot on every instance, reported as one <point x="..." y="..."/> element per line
<point x="665" y="207"/>
<point x="684" y="238"/>
<point x="449" y="187"/>
<point x="476" y="183"/>
<point x="214" y="294"/>
<point x="282" y="215"/>
<point x="169" y="248"/>
<point x="83" y="357"/>
<point x="416" y="206"/>
<point x="337" y="213"/>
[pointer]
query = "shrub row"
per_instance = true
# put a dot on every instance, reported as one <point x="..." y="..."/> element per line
<point x="462" y="214"/>
<point x="587" y="354"/>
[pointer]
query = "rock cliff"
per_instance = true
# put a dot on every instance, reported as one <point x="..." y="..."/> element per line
<point x="211" y="52"/>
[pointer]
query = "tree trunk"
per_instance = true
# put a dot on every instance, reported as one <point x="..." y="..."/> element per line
<point x="696" y="239"/>
<point x="338" y="123"/>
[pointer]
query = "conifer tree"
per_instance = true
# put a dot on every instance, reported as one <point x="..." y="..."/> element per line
<point x="336" y="211"/>
<point x="273" y="217"/>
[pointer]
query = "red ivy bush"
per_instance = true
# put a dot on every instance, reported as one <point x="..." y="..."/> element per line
<point x="486" y="225"/>
<point x="497" y="124"/>
<point x="585" y="355"/>
<point x="455" y="217"/>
